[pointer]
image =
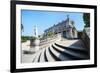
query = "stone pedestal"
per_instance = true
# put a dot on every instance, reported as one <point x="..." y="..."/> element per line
<point x="34" y="45"/>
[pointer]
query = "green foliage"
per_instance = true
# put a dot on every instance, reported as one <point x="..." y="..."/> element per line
<point x="50" y="34"/>
<point x="86" y="18"/>
<point x="34" y="38"/>
<point x="47" y="35"/>
<point x="44" y="37"/>
<point x="25" y="38"/>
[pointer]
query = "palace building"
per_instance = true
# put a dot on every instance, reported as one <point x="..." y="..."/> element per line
<point x="66" y="28"/>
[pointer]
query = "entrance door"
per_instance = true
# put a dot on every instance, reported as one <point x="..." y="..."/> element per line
<point x="64" y="34"/>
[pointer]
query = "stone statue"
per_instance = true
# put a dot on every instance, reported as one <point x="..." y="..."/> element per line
<point x="35" y="31"/>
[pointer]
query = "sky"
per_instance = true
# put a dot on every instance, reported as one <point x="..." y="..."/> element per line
<point x="46" y="19"/>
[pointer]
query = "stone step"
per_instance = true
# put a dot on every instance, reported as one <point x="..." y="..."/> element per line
<point x="42" y="57"/>
<point x="49" y="56"/>
<point x="58" y="54"/>
<point x="78" y="44"/>
<point x="37" y="57"/>
<point x="71" y="55"/>
<point x="46" y="60"/>
<point x="54" y="54"/>
<point x="74" y="49"/>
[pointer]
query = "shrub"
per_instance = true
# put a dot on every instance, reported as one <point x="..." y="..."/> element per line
<point x="25" y="38"/>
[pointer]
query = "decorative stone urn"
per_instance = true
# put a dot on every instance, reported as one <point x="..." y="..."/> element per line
<point x="34" y="44"/>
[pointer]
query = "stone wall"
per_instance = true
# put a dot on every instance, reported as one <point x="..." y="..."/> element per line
<point x="85" y="36"/>
<point x="86" y="40"/>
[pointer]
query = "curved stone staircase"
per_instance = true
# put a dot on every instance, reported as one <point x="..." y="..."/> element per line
<point x="58" y="52"/>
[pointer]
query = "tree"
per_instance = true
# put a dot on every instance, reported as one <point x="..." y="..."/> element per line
<point x="50" y="34"/>
<point x="86" y="18"/>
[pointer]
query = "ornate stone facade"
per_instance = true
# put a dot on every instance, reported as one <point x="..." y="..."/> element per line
<point x="66" y="28"/>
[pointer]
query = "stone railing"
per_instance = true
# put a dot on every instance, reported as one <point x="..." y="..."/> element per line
<point x="85" y="36"/>
<point x="46" y="42"/>
<point x="86" y="40"/>
<point x="36" y="45"/>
